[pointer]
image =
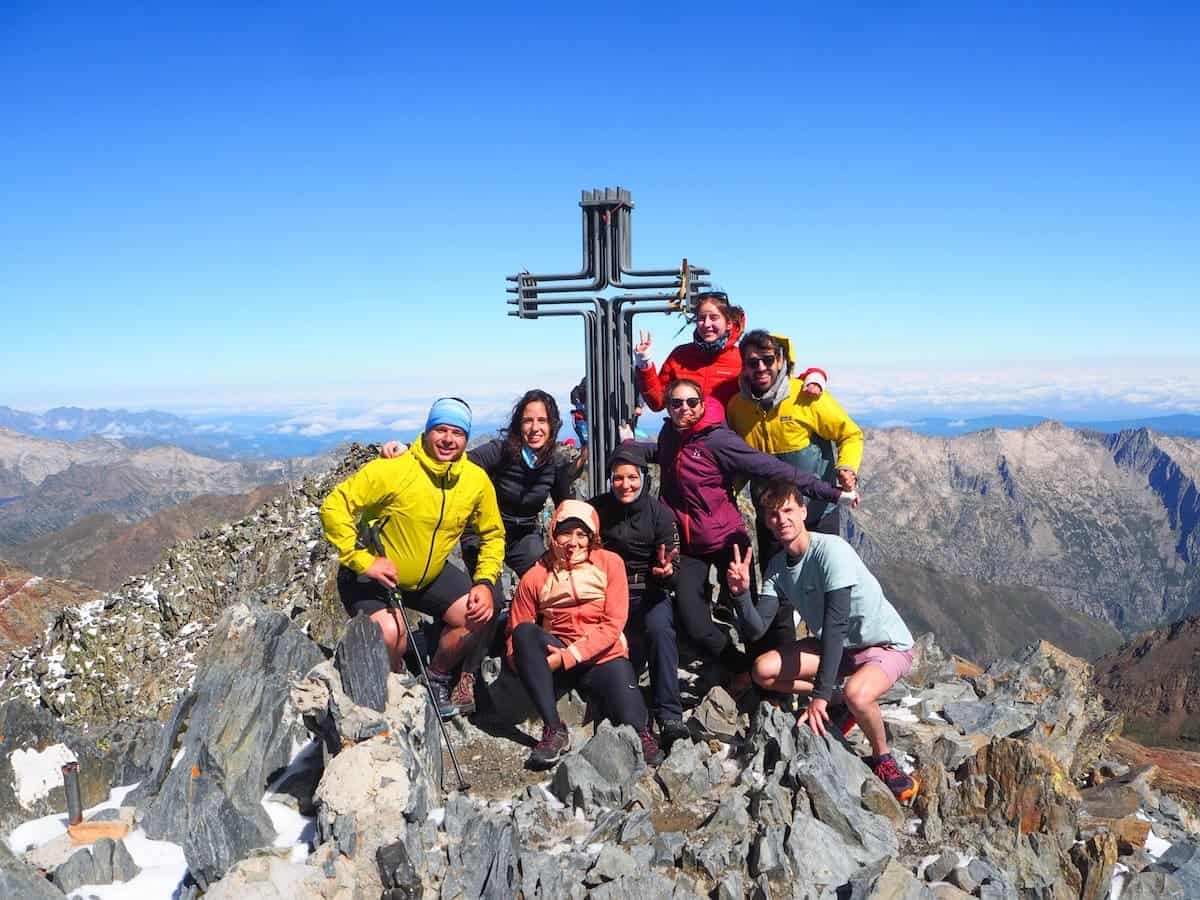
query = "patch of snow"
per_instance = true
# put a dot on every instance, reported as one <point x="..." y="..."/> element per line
<point x="291" y="828"/>
<point x="909" y="700"/>
<point x="1119" y="877"/>
<point x="163" y="868"/>
<point x="178" y="757"/>
<point x="35" y="580"/>
<point x="36" y="832"/>
<point x="437" y="816"/>
<point x="892" y="714"/>
<point x="37" y="772"/>
<point x="1156" y="846"/>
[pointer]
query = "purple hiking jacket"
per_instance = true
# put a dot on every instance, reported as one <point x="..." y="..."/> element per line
<point x="699" y="468"/>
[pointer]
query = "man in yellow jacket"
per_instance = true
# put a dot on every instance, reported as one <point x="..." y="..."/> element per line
<point x="420" y="502"/>
<point x="775" y="413"/>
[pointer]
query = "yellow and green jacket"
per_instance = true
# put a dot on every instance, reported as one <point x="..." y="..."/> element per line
<point x="793" y="424"/>
<point x="424" y="506"/>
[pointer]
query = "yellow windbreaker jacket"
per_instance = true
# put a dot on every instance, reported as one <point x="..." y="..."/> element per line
<point x="427" y="504"/>
<point x="791" y="425"/>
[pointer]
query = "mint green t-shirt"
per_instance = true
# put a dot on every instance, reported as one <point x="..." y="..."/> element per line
<point x="829" y="564"/>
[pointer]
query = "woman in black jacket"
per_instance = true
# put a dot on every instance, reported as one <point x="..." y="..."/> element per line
<point x="639" y="528"/>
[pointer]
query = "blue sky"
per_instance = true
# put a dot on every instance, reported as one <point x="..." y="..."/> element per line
<point x="953" y="208"/>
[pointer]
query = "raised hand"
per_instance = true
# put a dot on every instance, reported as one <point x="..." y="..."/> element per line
<point x="737" y="576"/>
<point x="666" y="562"/>
<point x="391" y="450"/>
<point x="642" y="348"/>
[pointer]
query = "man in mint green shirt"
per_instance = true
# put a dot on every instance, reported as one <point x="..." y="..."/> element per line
<point x="857" y="634"/>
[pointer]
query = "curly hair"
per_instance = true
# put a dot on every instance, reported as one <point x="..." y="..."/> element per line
<point x="512" y="435"/>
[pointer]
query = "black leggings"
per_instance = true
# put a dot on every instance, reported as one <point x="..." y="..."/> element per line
<point x="692" y="608"/>
<point x="611" y="685"/>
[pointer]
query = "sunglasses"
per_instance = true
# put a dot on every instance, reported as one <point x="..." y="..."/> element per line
<point x="680" y="402"/>
<point x="760" y="362"/>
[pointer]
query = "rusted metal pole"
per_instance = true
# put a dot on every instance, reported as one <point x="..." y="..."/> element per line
<point x="70" y="773"/>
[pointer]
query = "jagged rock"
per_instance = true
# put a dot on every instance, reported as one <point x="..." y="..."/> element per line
<point x="1025" y="784"/>
<point x="602" y="772"/>
<point x="398" y="874"/>
<point x="615" y="752"/>
<point x="611" y="864"/>
<point x="886" y="879"/>
<point x="642" y="885"/>
<point x="1182" y="861"/>
<point x="132" y="746"/>
<point x="17" y="879"/>
<point x="80" y="869"/>
<point x="716" y="718"/>
<point x="731" y="812"/>
<point x="989" y="719"/>
<point x="961" y="878"/>
<point x="945" y="891"/>
<point x="486" y="858"/>
<point x="878" y="799"/>
<point x="1154" y="885"/>
<point x="731" y="887"/>
<point x="668" y="849"/>
<point x="771" y="738"/>
<point x="818" y="855"/>
<point x="768" y="854"/>
<point x="239" y="731"/>
<point x="940" y="868"/>
<point x="33" y="747"/>
<point x="638" y="829"/>
<point x="815" y="768"/>
<point x="711" y="855"/>
<point x="553" y="877"/>
<point x="362" y="660"/>
<point x="685" y="774"/>
<point x="1095" y="859"/>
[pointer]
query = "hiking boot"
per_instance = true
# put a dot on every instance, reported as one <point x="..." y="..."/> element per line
<point x="463" y="695"/>
<point x="670" y="731"/>
<point x="440" y="688"/>
<point x="902" y="785"/>
<point x="549" y="750"/>
<point x="651" y="751"/>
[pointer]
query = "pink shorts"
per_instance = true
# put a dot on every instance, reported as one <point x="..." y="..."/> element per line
<point x="895" y="663"/>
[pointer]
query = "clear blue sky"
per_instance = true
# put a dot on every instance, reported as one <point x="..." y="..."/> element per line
<point x="289" y="208"/>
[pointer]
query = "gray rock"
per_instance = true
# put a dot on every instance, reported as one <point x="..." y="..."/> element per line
<point x="643" y="886"/>
<point x="102" y="861"/>
<point x="732" y="886"/>
<point x="668" y="849"/>
<point x="79" y="869"/>
<point x="398" y="873"/>
<point x="615" y="752"/>
<point x="577" y="784"/>
<point x="611" y="864"/>
<point x="123" y="866"/>
<point x="815" y="769"/>
<point x="961" y="878"/>
<point x="768" y="854"/>
<point x="608" y="827"/>
<point x="941" y="867"/>
<point x="1182" y="860"/>
<point x="991" y="719"/>
<point x="362" y="660"/>
<point x="731" y="812"/>
<point x="886" y="879"/>
<point x="238" y="733"/>
<point x="771" y="739"/>
<point x="132" y="746"/>
<point x="772" y="804"/>
<point x="716" y="718"/>
<point x="638" y="829"/>
<point x="684" y="774"/>
<point x="818" y="854"/>
<point x="20" y="880"/>
<point x="105" y="815"/>
<point x="712" y="855"/>
<point x="557" y="877"/>
<point x="487" y="858"/>
<point x="1154" y="885"/>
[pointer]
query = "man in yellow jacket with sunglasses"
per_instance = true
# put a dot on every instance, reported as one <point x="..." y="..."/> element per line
<point x="420" y="503"/>
<point x="796" y="420"/>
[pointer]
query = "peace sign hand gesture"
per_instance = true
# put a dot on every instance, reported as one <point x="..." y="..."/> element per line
<point x="737" y="576"/>
<point x="641" y="350"/>
<point x="666" y="562"/>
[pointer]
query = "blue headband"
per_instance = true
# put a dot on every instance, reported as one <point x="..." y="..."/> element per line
<point x="449" y="411"/>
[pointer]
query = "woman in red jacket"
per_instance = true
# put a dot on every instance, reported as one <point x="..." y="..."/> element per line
<point x="567" y="626"/>
<point x="711" y="360"/>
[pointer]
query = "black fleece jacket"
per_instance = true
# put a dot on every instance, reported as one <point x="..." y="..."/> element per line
<point x="635" y="530"/>
<point x="521" y="491"/>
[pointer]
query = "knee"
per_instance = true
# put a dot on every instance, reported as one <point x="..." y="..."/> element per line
<point x="524" y="635"/>
<point x="394" y="637"/>
<point x="765" y="669"/>
<point x="660" y="624"/>
<point x="859" y="696"/>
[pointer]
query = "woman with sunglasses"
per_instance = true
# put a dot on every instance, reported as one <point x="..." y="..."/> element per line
<point x="711" y="360"/>
<point x="566" y="628"/>
<point x="701" y="461"/>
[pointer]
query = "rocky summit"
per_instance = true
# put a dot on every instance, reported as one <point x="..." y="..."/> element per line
<point x="225" y="683"/>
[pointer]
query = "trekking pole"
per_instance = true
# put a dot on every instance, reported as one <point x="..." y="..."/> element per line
<point x="396" y="600"/>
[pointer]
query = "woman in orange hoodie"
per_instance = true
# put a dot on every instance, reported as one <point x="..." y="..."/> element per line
<point x="711" y="360"/>
<point x="567" y="626"/>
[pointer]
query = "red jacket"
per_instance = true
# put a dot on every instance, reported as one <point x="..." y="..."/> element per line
<point x="716" y="373"/>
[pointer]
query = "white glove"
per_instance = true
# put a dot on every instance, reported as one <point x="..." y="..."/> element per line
<point x="624" y="432"/>
<point x="848" y="499"/>
<point x="640" y="360"/>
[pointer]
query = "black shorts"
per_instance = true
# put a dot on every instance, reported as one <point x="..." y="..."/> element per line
<point x="366" y="595"/>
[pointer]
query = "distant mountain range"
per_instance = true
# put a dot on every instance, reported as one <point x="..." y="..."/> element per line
<point x="1180" y="425"/>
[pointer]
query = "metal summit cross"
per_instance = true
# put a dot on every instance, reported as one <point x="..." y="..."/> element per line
<point x="608" y="331"/>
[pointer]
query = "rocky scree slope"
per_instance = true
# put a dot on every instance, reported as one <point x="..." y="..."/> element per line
<point x="132" y="651"/>
<point x="1017" y="802"/>
<point x="29" y="603"/>
<point x="1104" y="524"/>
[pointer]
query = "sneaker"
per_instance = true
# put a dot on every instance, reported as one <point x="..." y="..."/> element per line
<point x="670" y="731"/>
<point x="902" y="785"/>
<point x="651" y="751"/>
<point x="549" y="750"/>
<point x="463" y="695"/>
<point x="441" y="695"/>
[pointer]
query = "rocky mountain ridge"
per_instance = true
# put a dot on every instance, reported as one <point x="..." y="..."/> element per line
<point x="51" y="484"/>
<point x="1104" y="524"/>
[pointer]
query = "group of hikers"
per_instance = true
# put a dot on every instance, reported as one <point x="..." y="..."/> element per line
<point x="603" y="594"/>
